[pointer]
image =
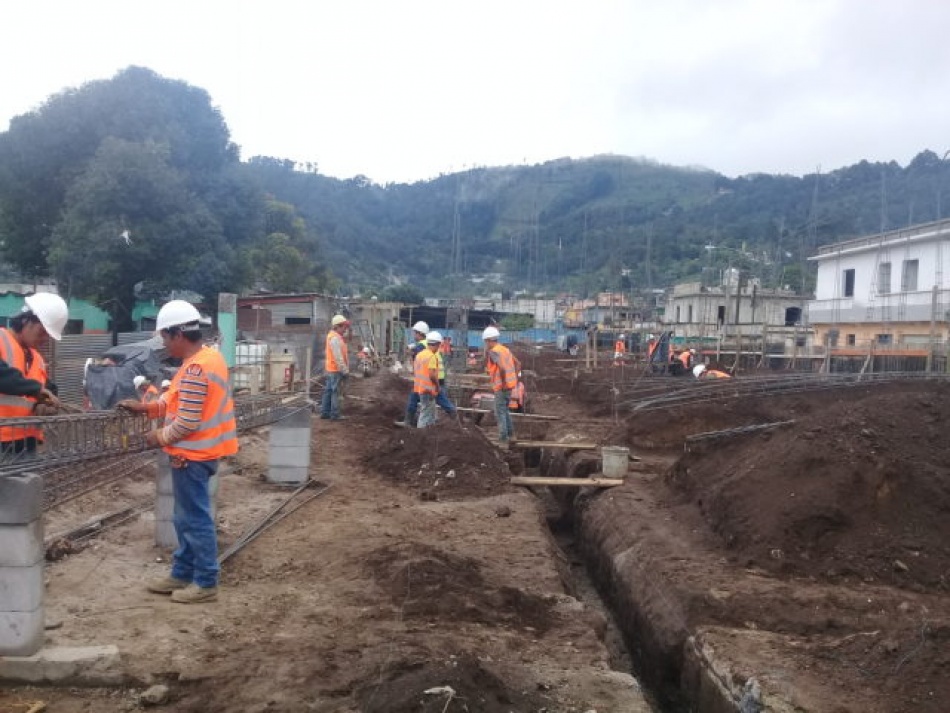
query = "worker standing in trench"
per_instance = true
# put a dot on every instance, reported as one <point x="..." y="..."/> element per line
<point x="503" y="369"/>
<point x="24" y="381"/>
<point x="199" y="430"/>
<point x="425" y="381"/>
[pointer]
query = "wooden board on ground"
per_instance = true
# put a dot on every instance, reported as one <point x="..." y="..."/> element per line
<point x="535" y="416"/>
<point x="577" y="446"/>
<point x="568" y="482"/>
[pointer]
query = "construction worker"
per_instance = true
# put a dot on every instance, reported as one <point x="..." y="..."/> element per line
<point x="503" y="369"/>
<point x="337" y="368"/>
<point x="517" y="402"/>
<point x="165" y="384"/>
<point x="24" y="381"/>
<point x="701" y="371"/>
<point x="425" y="378"/>
<point x="145" y="389"/>
<point x="419" y="331"/>
<point x="620" y="349"/>
<point x="199" y="430"/>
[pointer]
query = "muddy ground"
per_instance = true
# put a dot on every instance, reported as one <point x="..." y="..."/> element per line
<point x="420" y="569"/>
<point x="803" y="568"/>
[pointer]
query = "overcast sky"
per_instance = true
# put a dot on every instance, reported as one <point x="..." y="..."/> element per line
<point x="402" y="90"/>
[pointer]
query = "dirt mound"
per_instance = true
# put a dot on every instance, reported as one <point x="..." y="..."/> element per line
<point x="858" y="488"/>
<point x="429" y="583"/>
<point x="443" y="462"/>
<point x="458" y="684"/>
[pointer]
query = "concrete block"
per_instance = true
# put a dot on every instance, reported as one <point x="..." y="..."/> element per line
<point x="289" y="455"/>
<point x="287" y="474"/>
<point x="21" y="545"/>
<point x="21" y="633"/>
<point x="283" y="437"/>
<point x="21" y="498"/>
<point x="293" y="418"/>
<point x="164" y="507"/>
<point x="65" y="665"/>
<point x="165" y="535"/>
<point x="21" y="588"/>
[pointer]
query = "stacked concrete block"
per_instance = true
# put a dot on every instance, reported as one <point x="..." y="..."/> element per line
<point x="21" y="564"/>
<point x="165" y="502"/>
<point x="289" y="448"/>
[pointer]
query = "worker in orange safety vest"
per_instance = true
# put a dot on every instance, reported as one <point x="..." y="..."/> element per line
<point x="503" y="369"/>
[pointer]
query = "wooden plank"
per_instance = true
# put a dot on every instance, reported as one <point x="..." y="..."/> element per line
<point x="577" y="446"/>
<point x="568" y="482"/>
<point x="535" y="416"/>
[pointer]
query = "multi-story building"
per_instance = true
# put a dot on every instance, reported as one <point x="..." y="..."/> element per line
<point x="884" y="292"/>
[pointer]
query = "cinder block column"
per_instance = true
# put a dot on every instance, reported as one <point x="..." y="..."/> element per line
<point x="289" y="448"/>
<point x="165" y="502"/>
<point x="21" y="564"/>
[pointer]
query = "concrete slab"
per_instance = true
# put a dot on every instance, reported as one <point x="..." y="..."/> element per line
<point x="65" y="665"/>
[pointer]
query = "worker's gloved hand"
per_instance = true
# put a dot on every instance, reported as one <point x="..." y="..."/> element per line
<point x="48" y="397"/>
<point x="45" y="410"/>
<point x="131" y="405"/>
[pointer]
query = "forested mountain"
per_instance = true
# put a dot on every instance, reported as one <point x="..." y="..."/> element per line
<point x="132" y="187"/>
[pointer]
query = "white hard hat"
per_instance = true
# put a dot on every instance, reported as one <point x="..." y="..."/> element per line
<point x="420" y="327"/>
<point x="698" y="370"/>
<point x="166" y="383"/>
<point x="622" y="336"/>
<point x="692" y="351"/>
<point x="178" y="313"/>
<point x="338" y="319"/>
<point x="51" y="310"/>
<point x="365" y="350"/>
<point x="434" y="338"/>
<point x="139" y="380"/>
<point x="491" y="333"/>
<point x="651" y="336"/>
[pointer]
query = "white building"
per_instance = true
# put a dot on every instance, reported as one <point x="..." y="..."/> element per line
<point x="884" y="292"/>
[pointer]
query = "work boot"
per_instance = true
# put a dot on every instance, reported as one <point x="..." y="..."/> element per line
<point x="166" y="585"/>
<point x="193" y="594"/>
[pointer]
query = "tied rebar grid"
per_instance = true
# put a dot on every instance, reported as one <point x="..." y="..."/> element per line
<point x="83" y="437"/>
<point x="725" y="389"/>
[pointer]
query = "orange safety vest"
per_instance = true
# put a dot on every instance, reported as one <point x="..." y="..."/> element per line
<point x="619" y="347"/>
<point x="507" y="366"/>
<point x="421" y="380"/>
<point x="217" y="435"/>
<point x="19" y="406"/>
<point x="331" y="364"/>
<point x="684" y="359"/>
<point x="716" y="374"/>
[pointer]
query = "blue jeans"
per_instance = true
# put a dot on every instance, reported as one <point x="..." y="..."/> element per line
<point x="196" y="559"/>
<point x="503" y="415"/>
<point x="330" y="402"/>
<point x="442" y="400"/>
<point x="426" y="410"/>
<point x="411" y="408"/>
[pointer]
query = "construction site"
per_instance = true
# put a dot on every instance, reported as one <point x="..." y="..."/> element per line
<point x="776" y="541"/>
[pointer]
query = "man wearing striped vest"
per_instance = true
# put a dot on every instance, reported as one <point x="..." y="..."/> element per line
<point x="199" y="430"/>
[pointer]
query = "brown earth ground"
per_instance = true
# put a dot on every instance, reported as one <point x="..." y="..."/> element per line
<point x="419" y="568"/>
<point x="811" y="561"/>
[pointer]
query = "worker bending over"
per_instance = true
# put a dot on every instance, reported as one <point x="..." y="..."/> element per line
<point x="620" y="349"/>
<point x="198" y="431"/>
<point x="503" y="369"/>
<point x="701" y="371"/>
<point x="145" y="389"/>
<point x="24" y="381"/>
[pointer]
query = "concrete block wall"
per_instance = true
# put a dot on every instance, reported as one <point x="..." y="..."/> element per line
<point x="21" y="564"/>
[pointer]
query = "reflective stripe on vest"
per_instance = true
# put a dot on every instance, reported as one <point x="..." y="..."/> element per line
<point x="19" y="406"/>
<point x="217" y="435"/>
<point x="507" y="364"/>
<point x="331" y="364"/>
<point x="441" y="365"/>
<point x="421" y="381"/>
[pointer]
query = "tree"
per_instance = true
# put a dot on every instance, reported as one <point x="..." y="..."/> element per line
<point x="406" y="293"/>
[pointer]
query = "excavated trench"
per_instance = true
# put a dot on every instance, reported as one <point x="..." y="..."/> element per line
<point x="650" y="647"/>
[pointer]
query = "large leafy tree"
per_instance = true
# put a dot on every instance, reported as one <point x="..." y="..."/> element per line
<point x="137" y="153"/>
<point x="287" y="259"/>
